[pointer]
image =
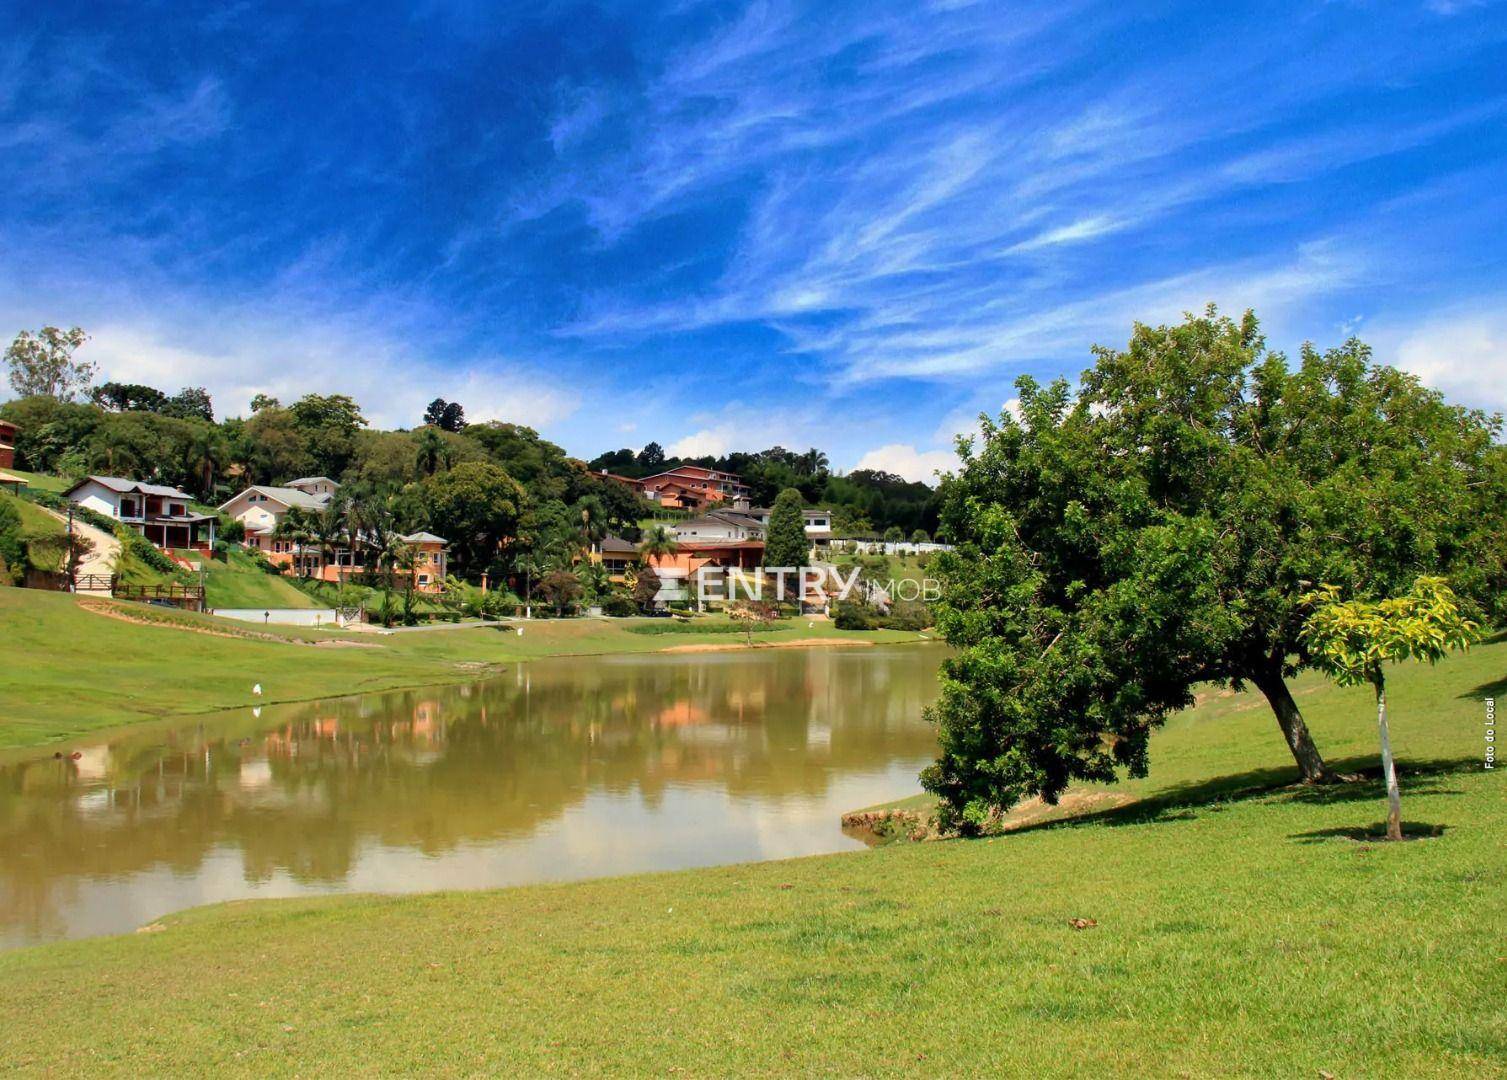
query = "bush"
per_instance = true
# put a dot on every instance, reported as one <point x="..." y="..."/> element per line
<point x="231" y="531"/>
<point x="499" y="603"/>
<point x="907" y="615"/>
<point x="619" y="606"/>
<point x="262" y="563"/>
<point x="851" y="615"/>
<point x="143" y="552"/>
<point x="12" y="551"/>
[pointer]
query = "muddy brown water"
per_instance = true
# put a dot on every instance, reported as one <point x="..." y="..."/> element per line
<point x="558" y="770"/>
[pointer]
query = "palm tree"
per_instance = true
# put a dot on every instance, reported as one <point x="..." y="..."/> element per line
<point x="375" y="530"/>
<point x="814" y="462"/>
<point x="296" y="527"/>
<point x="658" y="542"/>
<point x="405" y="561"/>
<point x="206" y="455"/>
<point x="593" y="521"/>
<point x="328" y="527"/>
<point x="432" y="452"/>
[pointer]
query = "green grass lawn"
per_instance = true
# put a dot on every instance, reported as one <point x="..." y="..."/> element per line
<point x="42" y="481"/>
<point x="65" y="671"/>
<point x="1240" y="931"/>
<point x="239" y="582"/>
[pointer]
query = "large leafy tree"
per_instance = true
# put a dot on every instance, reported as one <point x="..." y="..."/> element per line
<point x="328" y="425"/>
<point x="1159" y="528"/>
<point x="43" y="363"/>
<point x="476" y="506"/>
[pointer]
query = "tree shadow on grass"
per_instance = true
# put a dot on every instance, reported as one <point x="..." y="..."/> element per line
<point x="1377" y="833"/>
<point x="1495" y="688"/>
<point x="1182" y="802"/>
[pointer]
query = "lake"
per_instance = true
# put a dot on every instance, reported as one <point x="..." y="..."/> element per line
<point x="559" y="769"/>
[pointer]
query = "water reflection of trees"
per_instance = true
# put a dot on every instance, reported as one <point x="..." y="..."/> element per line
<point x="302" y="789"/>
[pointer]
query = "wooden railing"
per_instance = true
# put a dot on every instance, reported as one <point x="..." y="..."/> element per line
<point x="184" y="596"/>
<point x="190" y="597"/>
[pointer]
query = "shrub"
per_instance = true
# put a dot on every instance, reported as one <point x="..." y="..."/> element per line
<point x="851" y="615"/>
<point x="12" y="551"/>
<point x="907" y="615"/>
<point x="499" y="603"/>
<point x="231" y="531"/>
<point x="143" y="552"/>
<point x="619" y="606"/>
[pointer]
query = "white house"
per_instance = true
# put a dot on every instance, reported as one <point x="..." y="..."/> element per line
<point x="720" y="525"/>
<point x="161" y="514"/>
<point x="260" y="508"/>
<point x="818" y="522"/>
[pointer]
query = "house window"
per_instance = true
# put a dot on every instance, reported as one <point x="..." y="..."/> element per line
<point x="128" y="508"/>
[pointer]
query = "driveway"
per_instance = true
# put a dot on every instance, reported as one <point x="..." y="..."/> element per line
<point x="100" y="561"/>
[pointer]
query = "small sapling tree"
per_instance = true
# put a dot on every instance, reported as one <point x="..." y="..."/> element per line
<point x="1353" y="641"/>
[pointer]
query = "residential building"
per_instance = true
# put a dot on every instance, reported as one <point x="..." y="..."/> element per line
<point x="261" y="508"/>
<point x="7" y="445"/>
<point x="719" y="525"/>
<point x="616" y="555"/>
<point x="161" y="514"/>
<point x="692" y="487"/>
<point x="818" y="522"/>
<point x="619" y="556"/>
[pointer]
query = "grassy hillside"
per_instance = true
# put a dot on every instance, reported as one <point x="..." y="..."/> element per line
<point x="239" y="582"/>
<point x="33" y="521"/>
<point x="42" y="481"/>
<point x="140" y="672"/>
<point x="1239" y="930"/>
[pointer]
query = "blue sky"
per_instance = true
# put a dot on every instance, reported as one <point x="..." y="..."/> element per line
<point x="723" y="226"/>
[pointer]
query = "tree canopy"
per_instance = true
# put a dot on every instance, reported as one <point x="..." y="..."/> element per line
<point x="43" y="363"/>
<point x="1159" y="528"/>
<point x="785" y="543"/>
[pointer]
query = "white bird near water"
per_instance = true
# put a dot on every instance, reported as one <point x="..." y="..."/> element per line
<point x="257" y="689"/>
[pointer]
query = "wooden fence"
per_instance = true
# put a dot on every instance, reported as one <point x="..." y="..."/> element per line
<point x="189" y="597"/>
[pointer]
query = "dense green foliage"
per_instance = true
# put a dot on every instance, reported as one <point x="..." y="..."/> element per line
<point x="785" y="543"/>
<point x="12" y="548"/>
<point x="510" y="502"/>
<point x="1159" y="529"/>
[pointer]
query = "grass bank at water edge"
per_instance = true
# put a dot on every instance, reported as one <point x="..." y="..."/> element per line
<point x="67" y="670"/>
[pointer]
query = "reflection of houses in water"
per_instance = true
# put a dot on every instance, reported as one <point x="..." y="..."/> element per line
<point x="92" y="762"/>
<point x="255" y="774"/>
<point x="682" y="713"/>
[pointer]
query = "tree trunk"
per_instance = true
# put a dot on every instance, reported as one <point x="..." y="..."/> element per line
<point x="1294" y="730"/>
<point x="1388" y="768"/>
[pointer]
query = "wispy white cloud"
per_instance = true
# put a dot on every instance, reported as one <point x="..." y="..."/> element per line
<point x="1461" y="350"/>
<point x="256" y="351"/>
<point x="906" y="461"/>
